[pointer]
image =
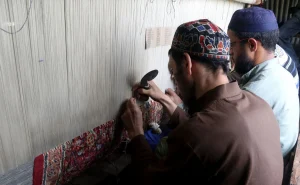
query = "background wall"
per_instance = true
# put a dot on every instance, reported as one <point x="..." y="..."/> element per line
<point x="281" y="10"/>
<point x="72" y="64"/>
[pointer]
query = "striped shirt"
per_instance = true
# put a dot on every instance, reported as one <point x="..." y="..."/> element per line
<point x="287" y="62"/>
<point x="273" y="83"/>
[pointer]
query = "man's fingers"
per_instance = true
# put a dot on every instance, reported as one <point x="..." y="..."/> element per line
<point x="128" y="104"/>
<point x="170" y="91"/>
<point x="143" y="91"/>
<point x="131" y="103"/>
<point x="151" y="83"/>
<point x="135" y="87"/>
<point x="124" y="117"/>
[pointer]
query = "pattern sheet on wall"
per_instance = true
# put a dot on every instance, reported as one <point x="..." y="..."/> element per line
<point x="73" y="63"/>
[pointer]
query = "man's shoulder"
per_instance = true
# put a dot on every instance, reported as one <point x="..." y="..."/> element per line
<point x="272" y="77"/>
<point x="255" y="99"/>
<point x="227" y="110"/>
<point x="281" y="55"/>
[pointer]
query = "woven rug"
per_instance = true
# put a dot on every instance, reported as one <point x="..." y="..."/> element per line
<point x="68" y="160"/>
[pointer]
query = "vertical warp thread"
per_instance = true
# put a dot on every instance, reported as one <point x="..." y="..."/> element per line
<point x="170" y="7"/>
<point x="27" y="17"/>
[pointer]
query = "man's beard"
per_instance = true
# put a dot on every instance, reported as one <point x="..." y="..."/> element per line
<point x="186" y="89"/>
<point x="243" y="64"/>
<point x="189" y="99"/>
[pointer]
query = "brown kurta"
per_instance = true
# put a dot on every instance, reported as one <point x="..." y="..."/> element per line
<point x="232" y="139"/>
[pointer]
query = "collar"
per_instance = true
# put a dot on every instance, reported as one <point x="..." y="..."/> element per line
<point x="219" y="92"/>
<point x="257" y="69"/>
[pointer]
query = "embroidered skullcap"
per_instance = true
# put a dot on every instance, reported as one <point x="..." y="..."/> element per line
<point x="202" y="38"/>
<point x="254" y="19"/>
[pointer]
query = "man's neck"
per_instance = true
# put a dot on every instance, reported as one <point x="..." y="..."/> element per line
<point x="205" y="84"/>
<point x="263" y="56"/>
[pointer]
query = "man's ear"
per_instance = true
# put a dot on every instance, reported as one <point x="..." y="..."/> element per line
<point x="187" y="63"/>
<point x="253" y="44"/>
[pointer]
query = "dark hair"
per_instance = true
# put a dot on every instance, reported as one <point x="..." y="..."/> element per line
<point x="213" y="65"/>
<point x="268" y="39"/>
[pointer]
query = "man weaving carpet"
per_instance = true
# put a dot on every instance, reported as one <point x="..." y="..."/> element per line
<point x="225" y="140"/>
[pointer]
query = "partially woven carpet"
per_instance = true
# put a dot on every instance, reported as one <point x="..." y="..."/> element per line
<point x="68" y="160"/>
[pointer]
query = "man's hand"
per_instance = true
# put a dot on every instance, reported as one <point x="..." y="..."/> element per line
<point x="154" y="92"/>
<point x="132" y="118"/>
<point x="174" y="97"/>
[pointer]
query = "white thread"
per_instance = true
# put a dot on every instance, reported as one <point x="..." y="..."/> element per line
<point x="27" y="17"/>
<point x="155" y="127"/>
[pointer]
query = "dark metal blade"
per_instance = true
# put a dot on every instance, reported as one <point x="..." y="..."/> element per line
<point x="148" y="77"/>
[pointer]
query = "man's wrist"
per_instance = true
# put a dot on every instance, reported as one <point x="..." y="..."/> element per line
<point x="133" y="134"/>
<point x="168" y="104"/>
<point x="164" y="100"/>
